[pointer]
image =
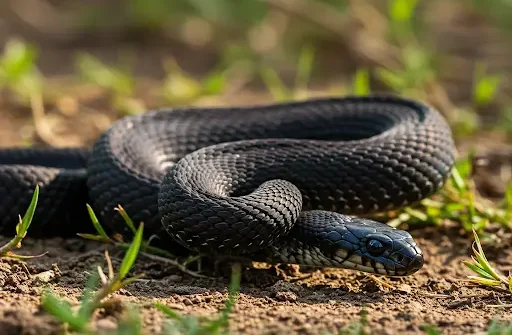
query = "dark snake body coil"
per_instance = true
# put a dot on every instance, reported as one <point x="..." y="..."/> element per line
<point x="248" y="180"/>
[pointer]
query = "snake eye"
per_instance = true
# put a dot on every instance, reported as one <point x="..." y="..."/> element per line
<point x="375" y="248"/>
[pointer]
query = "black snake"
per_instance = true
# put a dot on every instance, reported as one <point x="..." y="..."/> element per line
<point x="268" y="182"/>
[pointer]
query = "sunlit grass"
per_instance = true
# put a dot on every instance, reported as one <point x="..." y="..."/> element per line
<point x="18" y="71"/>
<point x="90" y="301"/>
<point x="459" y="201"/>
<point x="21" y="230"/>
<point x="485" y="273"/>
<point x="119" y="81"/>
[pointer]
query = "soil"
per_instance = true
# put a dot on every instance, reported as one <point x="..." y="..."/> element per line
<point x="273" y="300"/>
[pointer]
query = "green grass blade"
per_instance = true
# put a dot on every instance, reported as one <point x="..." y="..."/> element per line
<point x="63" y="311"/>
<point x="361" y="82"/>
<point x="460" y="184"/>
<point x="416" y="214"/>
<point x="22" y="227"/>
<point x="480" y="249"/>
<point x="402" y="10"/>
<point x="274" y="84"/>
<point x="485" y="86"/>
<point x="483" y="281"/>
<point x="392" y="79"/>
<point x="508" y="204"/>
<point x="485" y="265"/>
<point x="233" y="290"/>
<point x="96" y="223"/>
<point x="25" y="257"/>
<point x="214" y="83"/>
<point x="304" y="67"/>
<point x="95" y="238"/>
<point x="483" y="262"/>
<point x="86" y="307"/>
<point x="403" y="217"/>
<point x="432" y="330"/>
<point x="478" y="270"/>
<point x="128" y="281"/>
<point x="126" y="218"/>
<point x="131" y="254"/>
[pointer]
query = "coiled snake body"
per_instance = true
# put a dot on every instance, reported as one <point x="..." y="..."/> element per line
<point x="267" y="182"/>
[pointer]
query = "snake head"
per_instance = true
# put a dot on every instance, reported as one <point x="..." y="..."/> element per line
<point x="375" y="247"/>
<point x="328" y="239"/>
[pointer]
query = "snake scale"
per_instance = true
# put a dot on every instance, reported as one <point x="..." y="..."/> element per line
<point x="282" y="183"/>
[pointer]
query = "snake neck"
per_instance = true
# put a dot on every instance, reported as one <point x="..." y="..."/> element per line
<point x="328" y="239"/>
<point x="294" y="251"/>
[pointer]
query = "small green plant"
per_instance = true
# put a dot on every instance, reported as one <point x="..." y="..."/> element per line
<point x="401" y="19"/>
<point x="459" y="202"/>
<point x="146" y="249"/>
<point x="180" y="88"/>
<point x="192" y="325"/>
<point x="485" y="86"/>
<point x="432" y="330"/>
<point x="417" y="71"/>
<point x="499" y="328"/>
<point x="18" y="71"/>
<point x="279" y="90"/>
<point x="90" y="301"/>
<point x="117" y="80"/>
<point x="117" y="240"/>
<point x="21" y="230"/>
<point x="418" y="63"/>
<point x="402" y="10"/>
<point x="361" y="83"/>
<point x="486" y="274"/>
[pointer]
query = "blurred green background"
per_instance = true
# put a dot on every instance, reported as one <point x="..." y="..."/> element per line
<point x="124" y="57"/>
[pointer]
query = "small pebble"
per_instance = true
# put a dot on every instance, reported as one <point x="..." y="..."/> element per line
<point x="44" y="277"/>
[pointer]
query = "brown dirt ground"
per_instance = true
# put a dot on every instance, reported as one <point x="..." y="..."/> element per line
<point x="273" y="300"/>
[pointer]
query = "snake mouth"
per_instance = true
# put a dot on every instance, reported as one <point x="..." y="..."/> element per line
<point x="407" y="260"/>
<point x="402" y="263"/>
<point x="415" y="264"/>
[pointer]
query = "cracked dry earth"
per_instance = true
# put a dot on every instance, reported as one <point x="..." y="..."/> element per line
<point x="273" y="300"/>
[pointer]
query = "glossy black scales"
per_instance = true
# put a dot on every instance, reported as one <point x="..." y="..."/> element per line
<point x="243" y="180"/>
